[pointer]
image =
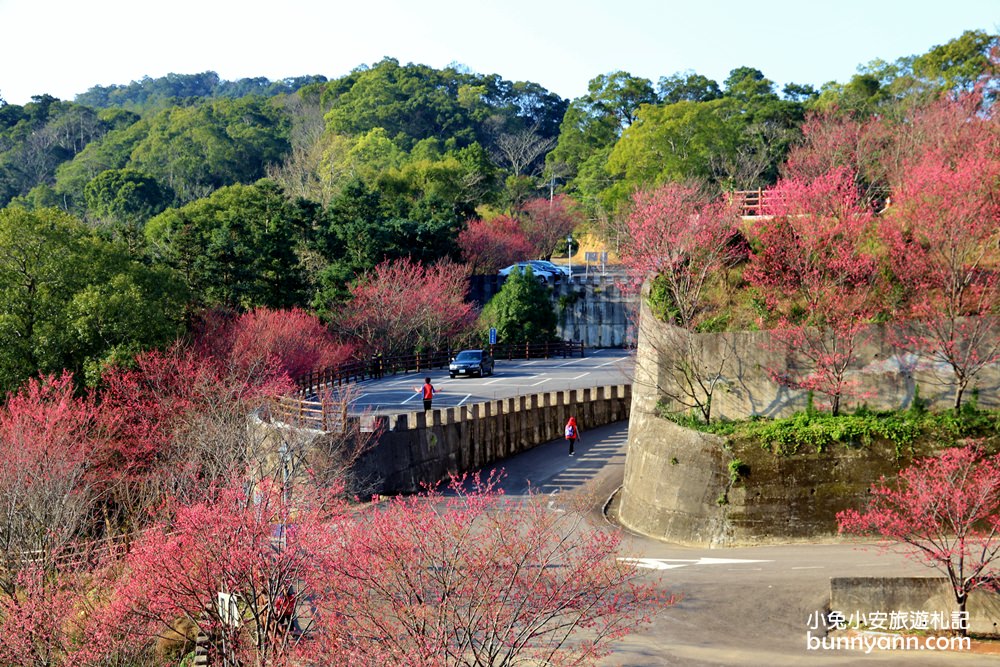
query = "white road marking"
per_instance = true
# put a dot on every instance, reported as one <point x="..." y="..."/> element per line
<point x="809" y="567"/>
<point x="653" y="563"/>
<point x="467" y="397"/>
<point x="613" y="361"/>
<point x="670" y="563"/>
<point x="542" y="381"/>
<point x="728" y="561"/>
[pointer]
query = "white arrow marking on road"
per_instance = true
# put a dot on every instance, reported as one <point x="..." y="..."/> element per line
<point x="670" y="563"/>
<point x="654" y="563"/>
<point x="727" y="561"/>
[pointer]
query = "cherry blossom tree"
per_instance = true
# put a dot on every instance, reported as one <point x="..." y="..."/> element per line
<point x="464" y="577"/>
<point x="402" y="305"/>
<point x="470" y="577"/>
<point x="490" y="245"/>
<point x="942" y="239"/>
<point x="945" y="512"/>
<point x="820" y="281"/>
<point x="37" y="624"/>
<point x="867" y="148"/>
<point x="676" y="232"/>
<point x="47" y="436"/>
<point x="547" y="221"/>
<point x="222" y="563"/>
<point x="291" y="341"/>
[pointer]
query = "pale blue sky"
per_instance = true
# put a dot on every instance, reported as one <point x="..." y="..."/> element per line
<point x="63" y="47"/>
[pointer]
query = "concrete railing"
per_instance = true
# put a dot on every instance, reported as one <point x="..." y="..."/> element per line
<point x="878" y="597"/>
<point x="425" y="447"/>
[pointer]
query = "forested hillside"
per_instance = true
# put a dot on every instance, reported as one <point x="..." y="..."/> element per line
<point x="133" y="210"/>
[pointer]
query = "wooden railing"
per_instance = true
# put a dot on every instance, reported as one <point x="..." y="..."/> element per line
<point x="558" y="348"/>
<point x="320" y="413"/>
<point x="751" y="203"/>
<point x="754" y="203"/>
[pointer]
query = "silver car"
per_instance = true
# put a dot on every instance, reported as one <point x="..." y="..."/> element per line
<point x="522" y="267"/>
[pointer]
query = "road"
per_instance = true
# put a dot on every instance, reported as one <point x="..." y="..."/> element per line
<point x="740" y="606"/>
<point x="399" y="393"/>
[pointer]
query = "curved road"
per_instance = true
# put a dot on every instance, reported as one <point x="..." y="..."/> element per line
<point x="399" y="393"/>
<point x="740" y="606"/>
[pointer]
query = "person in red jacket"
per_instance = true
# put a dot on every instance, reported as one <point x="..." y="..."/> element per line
<point x="572" y="433"/>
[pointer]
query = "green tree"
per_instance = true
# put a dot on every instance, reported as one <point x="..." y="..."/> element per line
<point x="196" y="150"/>
<point x="745" y="83"/>
<point x="674" y="142"/>
<point x="112" y="151"/>
<point x="958" y="64"/>
<point x="594" y="122"/>
<point x="687" y="87"/>
<point x="620" y="94"/>
<point x="69" y="300"/>
<point x="411" y="103"/>
<point x="122" y="200"/>
<point x="521" y="311"/>
<point x="235" y="248"/>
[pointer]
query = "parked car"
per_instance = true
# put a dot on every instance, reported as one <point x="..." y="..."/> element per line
<point x="551" y="267"/>
<point x="471" y="362"/>
<point x="541" y="274"/>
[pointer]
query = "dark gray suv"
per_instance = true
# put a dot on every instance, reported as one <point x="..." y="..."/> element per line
<point x="471" y="362"/>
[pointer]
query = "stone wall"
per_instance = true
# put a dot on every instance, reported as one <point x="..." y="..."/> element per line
<point x="678" y="487"/>
<point x="864" y="595"/>
<point x="425" y="447"/>
<point x="677" y="482"/>
<point x="883" y="377"/>
<point x="592" y="309"/>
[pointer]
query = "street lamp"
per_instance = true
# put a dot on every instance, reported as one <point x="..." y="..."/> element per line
<point x="569" y="253"/>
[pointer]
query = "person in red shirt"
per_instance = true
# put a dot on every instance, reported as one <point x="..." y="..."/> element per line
<point x="284" y="611"/>
<point x="427" y="391"/>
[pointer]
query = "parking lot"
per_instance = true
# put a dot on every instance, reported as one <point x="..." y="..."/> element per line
<point x="401" y="393"/>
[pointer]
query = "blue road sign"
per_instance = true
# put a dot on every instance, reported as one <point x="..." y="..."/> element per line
<point x="493" y="336"/>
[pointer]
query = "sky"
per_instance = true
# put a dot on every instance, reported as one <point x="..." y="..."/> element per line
<point x="64" y="47"/>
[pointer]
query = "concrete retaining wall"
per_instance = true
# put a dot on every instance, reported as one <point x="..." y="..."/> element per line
<point x="419" y="447"/>
<point x="678" y="487"/>
<point x="590" y="308"/>
<point x="865" y="595"/>
<point x="743" y="363"/>
<point x="677" y="483"/>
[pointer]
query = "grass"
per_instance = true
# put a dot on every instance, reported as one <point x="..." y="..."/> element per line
<point x="816" y="431"/>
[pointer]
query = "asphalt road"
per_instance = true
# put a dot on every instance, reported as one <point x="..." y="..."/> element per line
<point x="740" y="606"/>
<point x="400" y="393"/>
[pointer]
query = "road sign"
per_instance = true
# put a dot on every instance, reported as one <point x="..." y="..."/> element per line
<point x="493" y="336"/>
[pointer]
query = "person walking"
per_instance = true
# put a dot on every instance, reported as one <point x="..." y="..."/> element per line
<point x="572" y="433"/>
<point x="427" y="391"/>
<point x="284" y="612"/>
